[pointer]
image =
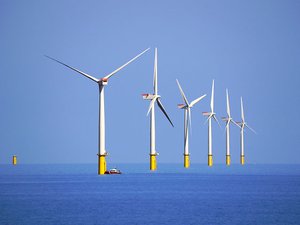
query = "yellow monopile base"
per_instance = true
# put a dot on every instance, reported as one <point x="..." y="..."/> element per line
<point x="14" y="160"/>
<point x="101" y="164"/>
<point x="153" y="162"/>
<point x="210" y="160"/>
<point x="228" y="160"/>
<point x="186" y="160"/>
<point x="242" y="159"/>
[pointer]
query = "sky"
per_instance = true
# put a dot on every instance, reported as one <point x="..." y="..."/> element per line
<point x="49" y="114"/>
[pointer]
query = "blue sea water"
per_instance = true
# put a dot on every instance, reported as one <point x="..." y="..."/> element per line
<point x="75" y="194"/>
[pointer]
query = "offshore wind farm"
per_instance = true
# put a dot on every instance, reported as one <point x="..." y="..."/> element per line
<point x="155" y="98"/>
<point x="205" y="145"/>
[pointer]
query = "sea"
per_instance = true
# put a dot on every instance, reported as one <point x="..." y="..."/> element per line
<point x="74" y="194"/>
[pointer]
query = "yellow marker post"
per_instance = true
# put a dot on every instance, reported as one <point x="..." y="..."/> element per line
<point x="101" y="164"/>
<point x="14" y="160"/>
<point x="228" y="160"/>
<point x="186" y="160"/>
<point x="242" y="159"/>
<point x="210" y="160"/>
<point x="153" y="165"/>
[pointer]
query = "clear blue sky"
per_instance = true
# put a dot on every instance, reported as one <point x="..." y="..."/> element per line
<point x="49" y="114"/>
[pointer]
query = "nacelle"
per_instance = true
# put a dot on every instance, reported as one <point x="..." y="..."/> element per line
<point x="181" y="106"/>
<point x="104" y="81"/>
<point x="148" y="96"/>
<point x="206" y="113"/>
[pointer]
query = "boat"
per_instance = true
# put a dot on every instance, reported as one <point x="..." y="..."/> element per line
<point x="113" y="171"/>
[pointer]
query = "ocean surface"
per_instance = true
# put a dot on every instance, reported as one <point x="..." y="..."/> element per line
<point x="75" y="194"/>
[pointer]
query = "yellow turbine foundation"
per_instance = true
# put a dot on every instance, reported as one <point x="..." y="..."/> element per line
<point x="210" y="160"/>
<point x="14" y="160"/>
<point x="228" y="160"/>
<point x="101" y="164"/>
<point x="153" y="162"/>
<point x="242" y="159"/>
<point x="186" y="160"/>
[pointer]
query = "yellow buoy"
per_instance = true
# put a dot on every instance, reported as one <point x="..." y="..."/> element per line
<point x="14" y="160"/>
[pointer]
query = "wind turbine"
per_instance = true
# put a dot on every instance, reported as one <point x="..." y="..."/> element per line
<point x="154" y="98"/>
<point x="228" y="120"/>
<point x="101" y="84"/>
<point x="242" y="125"/>
<point x="211" y="115"/>
<point x="187" y="122"/>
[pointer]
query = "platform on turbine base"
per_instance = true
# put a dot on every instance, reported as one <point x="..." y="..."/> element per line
<point x="101" y="164"/>
<point x="153" y="165"/>
<point x="242" y="159"/>
<point x="186" y="160"/>
<point x="228" y="160"/>
<point x="210" y="160"/>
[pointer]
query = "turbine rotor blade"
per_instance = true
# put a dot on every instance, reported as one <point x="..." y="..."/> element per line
<point x="228" y="106"/>
<point x="197" y="100"/>
<point x="72" y="68"/>
<point x="215" y="118"/>
<point x="164" y="111"/>
<point x="155" y="74"/>
<point x="242" y="110"/>
<point x="151" y="105"/>
<point x="182" y="93"/>
<point x="185" y="125"/>
<point x="212" y="96"/>
<point x="190" y="118"/>
<point x="227" y="123"/>
<point x="251" y="129"/>
<point x="121" y="67"/>
<point x="208" y="118"/>
<point x="235" y="123"/>
<point x="225" y="127"/>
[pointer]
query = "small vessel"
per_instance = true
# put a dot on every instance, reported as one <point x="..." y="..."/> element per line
<point x="113" y="171"/>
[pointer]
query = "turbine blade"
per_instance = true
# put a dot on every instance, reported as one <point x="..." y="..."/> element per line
<point x="225" y="127"/>
<point x="121" y="67"/>
<point x="235" y="123"/>
<point x="182" y="93"/>
<point x="197" y="100"/>
<point x="155" y="73"/>
<point x="72" y="68"/>
<point x="215" y="118"/>
<point x="251" y="129"/>
<point x="164" y="111"/>
<point x="227" y="123"/>
<point x="208" y="118"/>
<point x="228" y="106"/>
<point x="186" y="126"/>
<point x="212" y="96"/>
<point x="151" y="105"/>
<point x="190" y="119"/>
<point x="242" y="110"/>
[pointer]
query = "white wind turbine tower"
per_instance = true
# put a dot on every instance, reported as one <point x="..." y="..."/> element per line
<point x="211" y="115"/>
<point x="187" y="123"/>
<point x="242" y="125"/>
<point x="228" y="120"/>
<point x="101" y="83"/>
<point x="154" y="98"/>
